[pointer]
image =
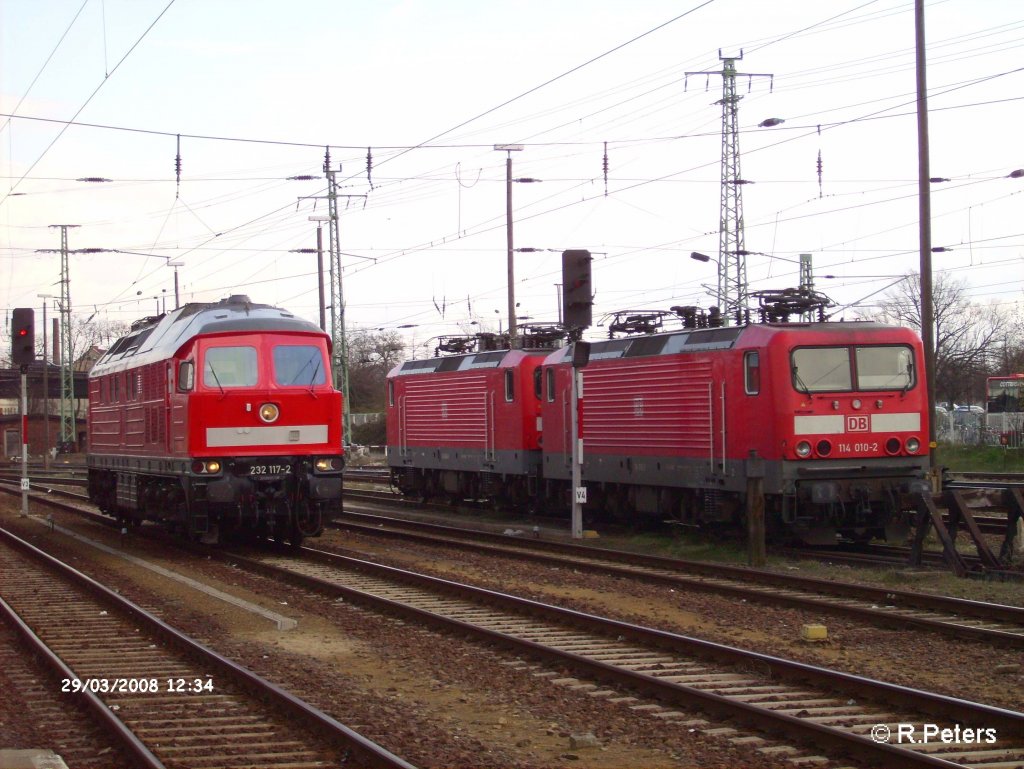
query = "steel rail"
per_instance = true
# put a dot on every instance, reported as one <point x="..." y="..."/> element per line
<point x="673" y="572"/>
<point x="96" y="707"/>
<point x="707" y="577"/>
<point x="1011" y="722"/>
<point x="367" y="751"/>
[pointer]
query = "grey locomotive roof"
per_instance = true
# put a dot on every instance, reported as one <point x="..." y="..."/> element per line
<point x="462" y="362"/>
<point x="699" y="340"/>
<point x="158" y="338"/>
<point x="666" y="343"/>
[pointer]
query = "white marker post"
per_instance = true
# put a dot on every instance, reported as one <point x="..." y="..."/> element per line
<point x="580" y="355"/>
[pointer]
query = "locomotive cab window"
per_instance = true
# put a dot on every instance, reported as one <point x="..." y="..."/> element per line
<point x="884" y="368"/>
<point x="844" y="369"/>
<point x="538" y="383"/>
<point x="391" y="393"/>
<point x="298" y="365"/>
<point x="230" y="367"/>
<point x="510" y="385"/>
<point x="549" y="378"/>
<point x="822" y="369"/>
<point x="752" y="372"/>
<point x="186" y="376"/>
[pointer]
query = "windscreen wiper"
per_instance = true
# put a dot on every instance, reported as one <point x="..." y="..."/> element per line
<point x="800" y="382"/>
<point x="223" y="392"/>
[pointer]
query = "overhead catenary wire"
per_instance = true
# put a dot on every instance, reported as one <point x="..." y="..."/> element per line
<point x="274" y="220"/>
<point x="88" y="100"/>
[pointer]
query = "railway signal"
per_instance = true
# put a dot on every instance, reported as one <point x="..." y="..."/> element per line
<point x="577" y="296"/>
<point x="23" y="336"/>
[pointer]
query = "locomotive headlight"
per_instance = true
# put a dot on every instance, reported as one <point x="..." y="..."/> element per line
<point x="205" y="467"/>
<point x="326" y="464"/>
<point x="856" y="403"/>
<point x="803" y="449"/>
<point x="913" y="445"/>
<point x="269" y="412"/>
<point x="213" y="466"/>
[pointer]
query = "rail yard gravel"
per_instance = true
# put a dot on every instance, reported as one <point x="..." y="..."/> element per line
<point x="434" y="700"/>
<point x="909" y="657"/>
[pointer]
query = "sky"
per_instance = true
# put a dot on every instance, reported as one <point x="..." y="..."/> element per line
<point x="252" y="92"/>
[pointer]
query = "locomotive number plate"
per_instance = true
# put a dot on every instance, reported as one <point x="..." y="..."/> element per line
<point x="270" y="470"/>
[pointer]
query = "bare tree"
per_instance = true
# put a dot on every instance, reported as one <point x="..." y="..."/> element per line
<point x="1011" y="355"/>
<point x="969" y="338"/>
<point x="371" y="354"/>
<point x="88" y="334"/>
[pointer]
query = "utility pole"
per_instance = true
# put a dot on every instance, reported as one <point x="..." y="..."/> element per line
<point x="319" y="251"/>
<point x="925" y="218"/>
<point x="320" y="266"/>
<point x="732" y="261"/>
<point x="67" y="374"/>
<point x="177" y="298"/>
<point x="508" y="149"/>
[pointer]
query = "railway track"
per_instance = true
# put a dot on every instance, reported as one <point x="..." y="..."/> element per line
<point x="668" y="675"/>
<point x="993" y="623"/>
<point x="874" y="555"/>
<point x="168" y="700"/>
<point x="76" y="476"/>
<point x="960" y="618"/>
<point x="982" y="480"/>
<point x="42" y="719"/>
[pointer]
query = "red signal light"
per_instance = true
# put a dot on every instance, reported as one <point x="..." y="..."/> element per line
<point x="23" y="336"/>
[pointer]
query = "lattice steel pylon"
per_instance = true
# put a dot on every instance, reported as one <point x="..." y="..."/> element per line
<point x="340" y="339"/>
<point x="732" y="294"/>
<point x="338" y="301"/>
<point x="67" y="371"/>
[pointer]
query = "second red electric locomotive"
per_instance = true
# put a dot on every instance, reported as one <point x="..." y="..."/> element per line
<point x="466" y="426"/>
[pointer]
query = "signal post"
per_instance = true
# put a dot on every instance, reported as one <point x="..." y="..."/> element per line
<point x="577" y="303"/>
<point x="23" y="352"/>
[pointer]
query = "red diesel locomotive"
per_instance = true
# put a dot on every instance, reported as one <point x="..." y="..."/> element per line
<point x="833" y="416"/>
<point x="218" y="418"/>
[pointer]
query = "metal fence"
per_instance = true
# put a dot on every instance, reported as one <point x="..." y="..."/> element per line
<point x="973" y="428"/>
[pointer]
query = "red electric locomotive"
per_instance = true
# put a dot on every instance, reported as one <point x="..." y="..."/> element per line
<point x="218" y="418"/>
<point x="833" y="416"/>
<point x="466" y="426"/>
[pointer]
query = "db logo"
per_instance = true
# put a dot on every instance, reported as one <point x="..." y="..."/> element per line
<point x="856" y="423"/>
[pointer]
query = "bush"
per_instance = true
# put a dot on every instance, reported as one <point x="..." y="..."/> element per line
<point x="370" y="434"/>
